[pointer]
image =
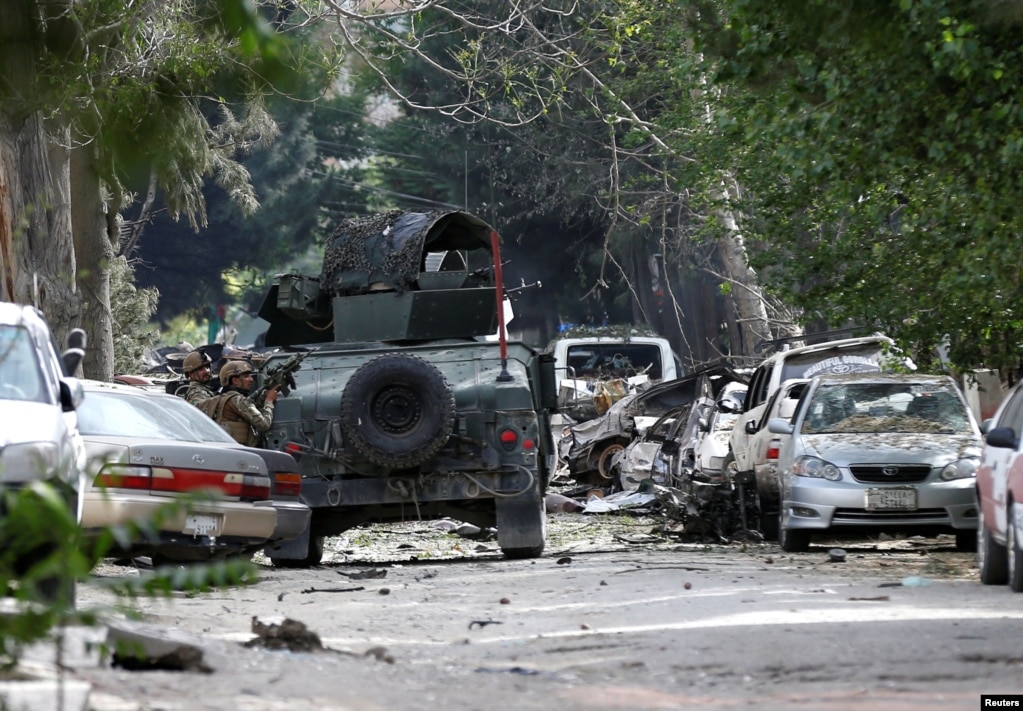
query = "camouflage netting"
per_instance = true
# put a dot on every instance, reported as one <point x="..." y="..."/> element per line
<point x="372" y="250"/>
<point x="387" y="251"/>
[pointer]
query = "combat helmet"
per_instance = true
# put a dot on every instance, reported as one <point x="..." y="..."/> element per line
<point x="193" y="361"/>
<point x="233" y="368"/>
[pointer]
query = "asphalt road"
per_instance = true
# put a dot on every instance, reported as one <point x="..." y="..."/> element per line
<point x="629" y="622"/>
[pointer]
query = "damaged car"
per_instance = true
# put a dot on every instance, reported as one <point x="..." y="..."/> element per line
<point x="878" y="452"/>
<point x="673" y="439"/>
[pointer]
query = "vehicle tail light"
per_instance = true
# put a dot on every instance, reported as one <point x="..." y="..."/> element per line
<point x="252" y="487"/>
<point x="509" y="439"/>
<point x="124" y="476"/>
<point x="287" y="484"/>
<point x="294" y="449"/>
<point x="774" y="449"/>
<point x="255" y="488"/>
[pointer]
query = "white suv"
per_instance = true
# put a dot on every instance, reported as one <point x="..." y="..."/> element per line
<point x="866" y="354"/>
<point x="39" y="438"/>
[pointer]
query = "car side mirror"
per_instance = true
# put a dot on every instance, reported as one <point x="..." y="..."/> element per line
<point x="750" y="427"/>
<point x="985" y="426"/>
<point x="778" y="425"/>
<point x="1002" y="437"/>
<point x="71" y="394"/>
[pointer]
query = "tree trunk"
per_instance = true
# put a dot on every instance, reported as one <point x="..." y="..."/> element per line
<point x="37" y="262"/>
<point x="754" y="327"/>
<point x="93" y="246"/>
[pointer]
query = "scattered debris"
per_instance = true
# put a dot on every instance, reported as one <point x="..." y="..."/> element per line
<point x="878" y="598"/>
<point x="512" y="670"/>
<point x="505" y="601"/>
<point x="290" y="634"/>
<point x="483" y="623"/>
<point x="559" y="503"/>
<point x="138" y="647"/>
<point x="565" y="561"/>
<point x="331" y="590"/>
<point x="836" y="555"/>
<point x="367" y="574"/>
<point x="380" y="654"/>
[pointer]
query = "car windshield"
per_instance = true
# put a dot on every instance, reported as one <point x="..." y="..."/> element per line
<point x="20" y="377"/>
<point x="119" y="414"/>
<point x="615" y="360"/>
<point x="886" y="407"/>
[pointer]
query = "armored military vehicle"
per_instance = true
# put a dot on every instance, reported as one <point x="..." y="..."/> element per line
<point x="406" y="407"/>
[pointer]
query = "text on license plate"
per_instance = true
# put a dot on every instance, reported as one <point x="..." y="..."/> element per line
<point x="202" y="524"/>
<point x="888" y="499"/>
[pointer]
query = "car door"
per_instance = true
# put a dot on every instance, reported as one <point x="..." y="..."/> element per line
<point x="996" y="464"/>
<point x="752" y="411"/>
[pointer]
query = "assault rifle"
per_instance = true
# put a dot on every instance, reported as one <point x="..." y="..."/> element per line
<point x="280" y="377"/>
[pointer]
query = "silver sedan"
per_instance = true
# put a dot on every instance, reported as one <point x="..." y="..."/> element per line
<point x="168" y="478"/>
<point x="878" y="452"/>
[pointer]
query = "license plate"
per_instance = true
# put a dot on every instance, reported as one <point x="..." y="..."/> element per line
<point x="202" y="524"/>
<point x="891" y="499"/>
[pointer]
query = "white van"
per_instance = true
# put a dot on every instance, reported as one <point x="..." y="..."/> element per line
<point x="867" y="354"/>
<point x="582" y="365"/>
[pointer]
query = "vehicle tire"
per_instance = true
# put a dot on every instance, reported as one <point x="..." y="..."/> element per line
<point x="398" y="411"/>
<point x="792" y="540"/>
<point x="769" y="525"/>
<point x="1014" y="546"/>
<point x="521" y="526"/>
<point x="313" y="558"/>
<point x="604" y="461"/>
<point x="992" y="558"/>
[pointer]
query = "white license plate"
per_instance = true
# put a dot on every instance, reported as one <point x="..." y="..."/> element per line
<point x="891" y="499"/>
<point x="202" y="524"/>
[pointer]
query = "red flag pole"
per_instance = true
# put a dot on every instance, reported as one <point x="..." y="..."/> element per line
<point x="502" y="336"/>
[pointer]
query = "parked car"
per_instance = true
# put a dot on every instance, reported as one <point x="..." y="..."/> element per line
<point x="149" y="451"/>
<point x="872" y="452"/>
<point x="849" y="355"/>
<point x="39" y="439"/>
<point x="1000" y="496"/>
<point x="764" y="448"/>
<point x="293" y="516"/>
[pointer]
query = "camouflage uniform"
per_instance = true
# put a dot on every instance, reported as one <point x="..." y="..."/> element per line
<point x="197" y="391"/>
<point x="241" y="418"/>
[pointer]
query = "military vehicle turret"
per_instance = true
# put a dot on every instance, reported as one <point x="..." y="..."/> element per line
<point x="406" y="407"/>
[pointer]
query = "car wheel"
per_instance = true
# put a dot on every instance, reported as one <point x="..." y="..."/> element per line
<point x="605" y="460"/>
<point x="1014" y="546"/>
<point x="398" y="411"/>
<point x="992" y="558"/>
<point x="791" y="540"/>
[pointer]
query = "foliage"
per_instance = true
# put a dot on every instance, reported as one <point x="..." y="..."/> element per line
<point x="131" y="309"/>
<point x="299" y="194"/>
<point x="45" y="553"/>
<point x="893" y="133"/>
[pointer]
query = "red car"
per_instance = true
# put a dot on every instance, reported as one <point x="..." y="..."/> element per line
<point x="1000" y="494"/>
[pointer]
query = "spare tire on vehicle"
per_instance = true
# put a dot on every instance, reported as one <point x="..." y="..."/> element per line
<point x="398" y="411"/>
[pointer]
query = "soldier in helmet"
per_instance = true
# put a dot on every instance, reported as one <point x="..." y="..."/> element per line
<point x="242" y="419"/>
<point x="196" y="366"/>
